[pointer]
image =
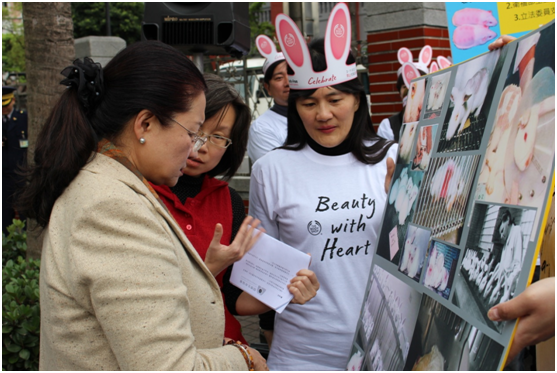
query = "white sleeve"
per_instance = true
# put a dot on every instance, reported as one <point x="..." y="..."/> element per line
<point x="262" y="139"/>
<point x="385" y="131"/>
<point x="261" y="201"/>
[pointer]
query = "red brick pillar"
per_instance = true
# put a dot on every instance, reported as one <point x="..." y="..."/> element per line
<point x="383" y="63"/>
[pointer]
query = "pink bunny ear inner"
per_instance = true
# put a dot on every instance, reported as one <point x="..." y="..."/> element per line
<point x="291" y="43"/>
<point x="443" y="62"/>
<point x="404" y="55"/>
<point x="264" y="45"/>
<point x="409" y="72"/>
<point x="339" y="33"/>
<point x="433" y="68"/>
<point x="425" y="55"/>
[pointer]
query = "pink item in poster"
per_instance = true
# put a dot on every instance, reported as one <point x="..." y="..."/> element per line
<point x="473" y="16"/>
<point x="468" y="36"/>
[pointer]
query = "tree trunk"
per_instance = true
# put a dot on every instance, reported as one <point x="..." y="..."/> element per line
<point x="49" y="47"/>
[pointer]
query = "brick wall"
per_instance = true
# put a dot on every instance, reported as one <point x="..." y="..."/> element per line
<point x="383" y="63"/>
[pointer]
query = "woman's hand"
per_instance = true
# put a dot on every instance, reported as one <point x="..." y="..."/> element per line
<point x="536" y="309"/>
<point x="258" y="361"/>
<point x="304" y="286"/>
<point x="220" y="256"/>
<point x="500" y="42"/>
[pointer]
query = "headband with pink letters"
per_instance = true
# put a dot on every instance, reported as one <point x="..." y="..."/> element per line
<point x="338" y="37"/>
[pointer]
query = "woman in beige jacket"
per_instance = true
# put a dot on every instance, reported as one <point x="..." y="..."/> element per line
<point x="121" y="286"/>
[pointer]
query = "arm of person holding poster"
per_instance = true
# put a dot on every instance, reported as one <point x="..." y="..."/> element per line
<point x="536" y="309"/>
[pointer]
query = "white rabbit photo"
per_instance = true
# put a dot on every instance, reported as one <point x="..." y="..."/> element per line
<point x="437" y="92"/>
<point x="465" y="120"/>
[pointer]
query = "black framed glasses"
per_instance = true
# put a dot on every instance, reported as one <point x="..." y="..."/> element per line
<point x="218" y="140"/>
<point x="196" y="139"/>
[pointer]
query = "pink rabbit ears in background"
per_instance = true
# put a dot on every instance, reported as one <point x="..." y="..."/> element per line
<point x="337" y="47"/>
<point x="267" y="49"/>
<point x="404" y="55"/>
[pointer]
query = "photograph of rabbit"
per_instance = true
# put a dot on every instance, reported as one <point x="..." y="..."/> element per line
<point x="443" y="341"/>
<point x="470" y="102"/>
<point x="416" y="95"/>
<point x="437" y="91"/>
<point x="414" y="252"/>
<point x="407" y="134"/>
<point x="399" y="211"/>
<point x="492" y="263"/>
<point x="424" y="147"/>
<point x="389" y="314"/>
<point x="442" y="201"/>
<point x="356" y="359"/>
<point x="520" y="157"/>
<point x="441" y="268"/>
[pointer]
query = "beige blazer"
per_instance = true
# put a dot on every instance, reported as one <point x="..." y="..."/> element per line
<point x="121" y="285"/>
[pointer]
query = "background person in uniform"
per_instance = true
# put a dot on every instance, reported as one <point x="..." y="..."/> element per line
<point x="14" y="153"/>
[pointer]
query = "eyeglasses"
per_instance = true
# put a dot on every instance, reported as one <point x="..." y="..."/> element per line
<point x="197" y="140"/>
<point x="220" y="141"/>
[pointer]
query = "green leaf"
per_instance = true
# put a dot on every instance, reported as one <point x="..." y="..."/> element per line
<point x="13" y="347"/>
<point x="7" y="329"/>
<point x="10" y="289"/>
<point x="13" y="359"/>
<point x="24" y="354"/>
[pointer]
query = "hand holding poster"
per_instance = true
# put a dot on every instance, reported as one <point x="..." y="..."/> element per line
<point x="466" y="213"/>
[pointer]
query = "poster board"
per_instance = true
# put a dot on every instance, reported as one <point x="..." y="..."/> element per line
<point x="466" y="212"/>
<point x="472" y="26"/>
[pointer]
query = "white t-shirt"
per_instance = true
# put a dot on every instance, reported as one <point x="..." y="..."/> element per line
<point x="330" y="207"/>
<point x="384" y="130"/>
<point x="266" y="133"/>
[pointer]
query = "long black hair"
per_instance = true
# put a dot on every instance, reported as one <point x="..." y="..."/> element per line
<point x="146" y="75"/>
<point x="221" y="94"/>
<point x="361" y="133"/>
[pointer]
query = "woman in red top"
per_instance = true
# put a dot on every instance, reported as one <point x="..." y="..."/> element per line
<point x="209" y="211"/>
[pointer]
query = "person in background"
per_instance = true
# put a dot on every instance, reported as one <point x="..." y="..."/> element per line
<point x="121" y="286"/>
<point x="389" y="128"/>
<point x="207" y="208"/>
<point x="332" y="158"/>
<point x="14" y="155"/>
<point x="268" y="131"/>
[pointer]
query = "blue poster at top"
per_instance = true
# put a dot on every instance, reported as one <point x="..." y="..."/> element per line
<point x="472" y="27"/>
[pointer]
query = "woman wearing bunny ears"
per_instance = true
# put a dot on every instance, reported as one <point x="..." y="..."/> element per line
<point x="323" y="193"/>
<point x="389" y="128"/>
<point x="269" y="130"/>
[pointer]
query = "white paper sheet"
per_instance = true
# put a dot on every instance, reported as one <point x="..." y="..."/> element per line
<point x="266" y="269"/>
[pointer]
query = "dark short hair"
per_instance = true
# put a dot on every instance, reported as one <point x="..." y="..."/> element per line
<point x="221" y="94"/>
<point x="361" y="131"/>
<point x="148" y="75"/>
<point x="271" y="70"/>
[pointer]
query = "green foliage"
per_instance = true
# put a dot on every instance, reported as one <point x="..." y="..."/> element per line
<point x="13" y="41"/>
<point x="258" y="28"/>
<point x="20" y="303"/>
<point x="15" y="244"/>
<point x="125" y="20"/>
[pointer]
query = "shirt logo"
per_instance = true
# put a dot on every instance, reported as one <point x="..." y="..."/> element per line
<point x="314" y="227"/>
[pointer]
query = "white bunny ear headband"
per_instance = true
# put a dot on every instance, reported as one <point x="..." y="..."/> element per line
<point x="267" y="49"/>
<point x="404" y="55"/>
<point x="337" y="47"/>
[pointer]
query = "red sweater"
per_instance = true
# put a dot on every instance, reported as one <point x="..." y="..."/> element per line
<point x="197" y="218"/>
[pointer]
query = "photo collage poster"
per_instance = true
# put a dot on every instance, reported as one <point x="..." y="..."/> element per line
<point x="465" y="214"/>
